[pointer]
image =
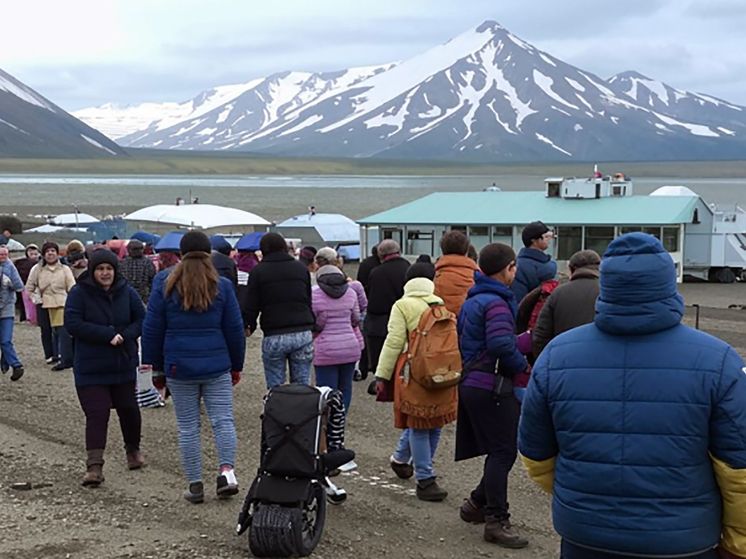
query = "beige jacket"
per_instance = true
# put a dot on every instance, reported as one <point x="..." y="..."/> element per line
<point x="49" y="285"/>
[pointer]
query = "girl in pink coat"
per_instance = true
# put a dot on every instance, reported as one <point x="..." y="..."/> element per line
<point x="336" y="346"/>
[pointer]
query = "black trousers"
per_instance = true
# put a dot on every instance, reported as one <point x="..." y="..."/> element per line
<point x="496" y="428"/>
<point x="571" y="551"/>
<point x="47" y="339"/>
<point x="97" y="401"/>
<point x="375" y="347"/>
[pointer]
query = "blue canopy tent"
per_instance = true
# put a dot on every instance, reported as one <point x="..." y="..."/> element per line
<point x="170" y="242"/>
<point x="146" y="238"/>
<point x="250" y="241"/>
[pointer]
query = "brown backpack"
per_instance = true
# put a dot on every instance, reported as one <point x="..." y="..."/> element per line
<point x="433" y="356"/>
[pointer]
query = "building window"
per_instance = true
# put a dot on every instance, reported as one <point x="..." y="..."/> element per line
<point x="461" y="228"/>
<point x="392" y="233"/>
<point x="553" y="189"/>
<point x="420" y="242"/>
<point x="479" y="237"/>
<point x="671" y="239"/>
<point x="502" y="232"/>
<point x="654" y="231"/>
<point x="626" y="230"/>
<point x="569" y="241"/>
<point x="598" y="238"/>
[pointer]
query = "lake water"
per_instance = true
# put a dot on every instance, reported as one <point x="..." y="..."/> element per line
<point x="279" y="197"/>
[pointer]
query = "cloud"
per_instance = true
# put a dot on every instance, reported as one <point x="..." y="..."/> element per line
<point x="126" y="51"/>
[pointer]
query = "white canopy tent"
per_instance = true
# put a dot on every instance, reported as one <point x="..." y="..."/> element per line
<point x="72" y="219"/>
<point x="674" y="191"/>
<point x="201" y="216"/>
<point x="47" y="228"/>
<point x="331" y="228"/>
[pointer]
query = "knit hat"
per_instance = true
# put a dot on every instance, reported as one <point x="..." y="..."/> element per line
<point x="328" y="269"/>
<point x="533" y="231"/>
<point x="326" y="254"/>
<point x="29" y="247"/>
<point x="495" y="257"/>
<point x="307" y="255"/>
<point x="135" y="248"/>
<point x="420" y="270"/>
<point x="75" y="246"/>
<point x="102" y="256"/>
<point x="194" y="241"/>
<point x="220" y="245"/>
<point x="50" y="245"/>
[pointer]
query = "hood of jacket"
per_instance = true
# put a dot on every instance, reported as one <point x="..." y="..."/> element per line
<point x="334" y="285"/>
<point x="639" y="294"/>
<point x="485" y="284"/>
<point x="587" y="272"/>
<point x="422" y="288"/>
<point x="457" y="263"/>
<point x="534" y="254"/>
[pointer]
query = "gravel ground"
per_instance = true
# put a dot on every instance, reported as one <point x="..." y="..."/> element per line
<point x="142" y="514"/>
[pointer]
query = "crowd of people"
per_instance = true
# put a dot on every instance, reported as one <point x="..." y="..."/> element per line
<point x="634" y="422"/>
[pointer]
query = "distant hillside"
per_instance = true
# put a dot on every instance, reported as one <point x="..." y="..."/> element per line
<point x="32" y="126"/>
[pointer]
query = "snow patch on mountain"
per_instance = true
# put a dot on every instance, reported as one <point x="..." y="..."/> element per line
<point x="9" y="84"/>
<point x="97" y="144"/>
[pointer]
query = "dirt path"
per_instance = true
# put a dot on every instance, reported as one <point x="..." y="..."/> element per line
<point x="142" y="514"/>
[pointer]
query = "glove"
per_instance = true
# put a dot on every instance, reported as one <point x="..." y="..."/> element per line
<point x="235" y="377"/>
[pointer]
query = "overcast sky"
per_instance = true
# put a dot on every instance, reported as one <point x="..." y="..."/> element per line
<point x="81" y="53"/>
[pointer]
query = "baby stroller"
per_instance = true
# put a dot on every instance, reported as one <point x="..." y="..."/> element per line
<point x="302" y="441"/>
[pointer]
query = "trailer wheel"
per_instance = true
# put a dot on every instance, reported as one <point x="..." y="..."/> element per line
<point x="309" y="521"/>
<point x="721" y="275"/>
<point x="271" y="532"/>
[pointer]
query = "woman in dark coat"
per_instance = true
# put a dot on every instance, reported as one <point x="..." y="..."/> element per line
<point x="104" y="315"/>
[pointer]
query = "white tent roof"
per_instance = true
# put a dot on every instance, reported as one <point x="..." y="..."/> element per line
<point x="53" y="229"/>
<point x="333" y="228"/>
<point x="674" y="191"/>
<point x="204" y="216"/>
<point x="69" y="219"/>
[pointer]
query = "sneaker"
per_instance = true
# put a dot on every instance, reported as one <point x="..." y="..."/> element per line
<point x="227" y="484"/>
<point x="429" y="490"/>
<point x="502" y="533"/>
<point x="196" y="493"/>
<point x="17" y="373"/>
<point x="52" y="360"/>
<point x="334" y="495"/>
<point x="471" y="512"/>
<point x="401" y="469"/>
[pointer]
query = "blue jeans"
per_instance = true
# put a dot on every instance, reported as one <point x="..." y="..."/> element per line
<point x="295" y="349"/>
<point x="9" y="356"/>
<point x="64" y="345"/>
<point x="418" y="446"/>
<point x="217" y="394"/>
<point x="337" y="377"/>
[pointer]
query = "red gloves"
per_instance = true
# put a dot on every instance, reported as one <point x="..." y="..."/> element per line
<point x="235" y="377"/>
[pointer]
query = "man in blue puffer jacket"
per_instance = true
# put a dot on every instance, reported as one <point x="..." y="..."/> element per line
<point x="535" y="266"/>
<point x="637" y="424"/>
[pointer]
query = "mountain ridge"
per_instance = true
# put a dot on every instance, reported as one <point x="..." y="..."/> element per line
<point x="485" y="95"/>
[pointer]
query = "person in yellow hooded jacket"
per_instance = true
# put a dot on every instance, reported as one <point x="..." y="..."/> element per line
<point x="422" y="413"/>
<point x="637" y="424"/>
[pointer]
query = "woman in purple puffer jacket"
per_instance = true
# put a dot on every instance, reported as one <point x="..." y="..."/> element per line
<point x="336" y="347"/>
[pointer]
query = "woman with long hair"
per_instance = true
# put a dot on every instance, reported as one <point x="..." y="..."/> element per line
<point x="193" y="332"/>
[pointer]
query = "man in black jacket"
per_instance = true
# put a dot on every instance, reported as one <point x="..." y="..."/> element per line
<point x="572" y="304"/>
<point x="385" y="287"/>
<point x="366" y="267"/>
<point x="280" y="290"/>
<point x="221" y="259"/>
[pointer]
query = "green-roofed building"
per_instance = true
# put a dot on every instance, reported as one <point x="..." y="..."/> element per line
<point x="584" y="214"/>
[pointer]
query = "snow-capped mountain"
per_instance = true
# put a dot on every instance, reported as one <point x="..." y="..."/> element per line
<point x="483" y="96"/>
<point x="31" y="125"/>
